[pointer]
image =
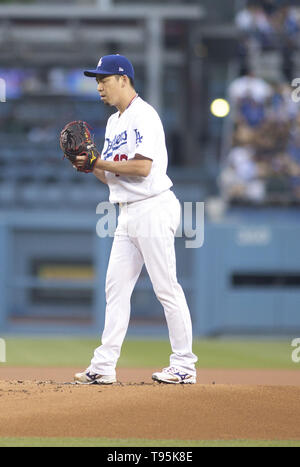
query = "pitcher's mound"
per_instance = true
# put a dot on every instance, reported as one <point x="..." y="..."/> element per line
<point x="149" y="410"/>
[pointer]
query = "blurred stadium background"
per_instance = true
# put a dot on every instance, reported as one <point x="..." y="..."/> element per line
<point x="243" y="162"/>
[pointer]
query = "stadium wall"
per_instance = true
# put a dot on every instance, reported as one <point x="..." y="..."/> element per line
<point x="245" y="279"/>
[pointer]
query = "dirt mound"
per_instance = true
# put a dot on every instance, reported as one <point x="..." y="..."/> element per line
<point x="149" y="410"/>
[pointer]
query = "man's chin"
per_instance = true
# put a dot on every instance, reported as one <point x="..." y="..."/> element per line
<point x="108" y="104"/>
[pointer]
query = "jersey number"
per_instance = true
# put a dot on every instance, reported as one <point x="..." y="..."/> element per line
<point x="118" y="158"/>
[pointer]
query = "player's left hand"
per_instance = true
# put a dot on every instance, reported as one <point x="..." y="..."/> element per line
<point x="78" y="146"/>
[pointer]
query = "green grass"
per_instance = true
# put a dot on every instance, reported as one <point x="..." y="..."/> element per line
<point x="105" y="442"/>
<point x="212" y="353"/>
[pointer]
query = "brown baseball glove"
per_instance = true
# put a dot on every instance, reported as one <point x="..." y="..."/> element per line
<point x="76" y="140"/>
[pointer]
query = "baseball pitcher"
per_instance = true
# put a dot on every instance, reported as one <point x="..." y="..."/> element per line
<point x="133" y="163"/>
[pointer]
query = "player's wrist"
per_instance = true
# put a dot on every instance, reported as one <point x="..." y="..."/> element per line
<point x="98" y="164"/>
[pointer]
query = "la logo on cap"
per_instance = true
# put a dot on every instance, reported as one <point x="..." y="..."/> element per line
<point x="100" y="62"/>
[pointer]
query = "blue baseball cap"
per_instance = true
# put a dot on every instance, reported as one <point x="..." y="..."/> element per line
<point x="112" y="65"/>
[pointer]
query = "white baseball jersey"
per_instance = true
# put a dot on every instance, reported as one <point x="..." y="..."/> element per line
<point x="138" y="130"/>
<point x="144" y="236"/>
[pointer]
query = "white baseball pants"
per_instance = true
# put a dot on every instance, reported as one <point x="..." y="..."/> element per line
<point x="145" y="235"/>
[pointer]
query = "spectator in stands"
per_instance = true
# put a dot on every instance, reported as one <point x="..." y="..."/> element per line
<point x="249" y="86"/>
<point x="252" y="19"/>
<point x="254" y="26"/>
<point x="269" y="25"/>
<point x="240" y="179"/>
<point x="284" y="23"/>
<point x="264" y="162"/>
<point x="248" y="95"/>
<point x="251" y="111"/>
<point x="282" y="108"/>
<point x="285" y="37"/>
<point x="243" y="135"/>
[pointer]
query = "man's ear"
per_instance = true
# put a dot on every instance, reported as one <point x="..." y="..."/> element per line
<point x="124" y="79"/>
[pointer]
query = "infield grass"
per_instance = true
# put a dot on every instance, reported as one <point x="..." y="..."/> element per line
<point x="212" y="353"/>
<point x="105" y="442"/>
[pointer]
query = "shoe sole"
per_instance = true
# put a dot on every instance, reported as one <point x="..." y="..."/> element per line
<point x="172" y="382"/>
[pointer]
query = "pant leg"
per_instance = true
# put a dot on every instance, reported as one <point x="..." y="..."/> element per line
<point x="158" y="251"/>
<point x="124" y="268"/>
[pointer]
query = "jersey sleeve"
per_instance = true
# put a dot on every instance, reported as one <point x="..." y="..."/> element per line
<point x="146" y="133"/>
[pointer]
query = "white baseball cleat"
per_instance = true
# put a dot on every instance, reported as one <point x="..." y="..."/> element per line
<point x="172" y="375"/>
<point x="87" y="377"/>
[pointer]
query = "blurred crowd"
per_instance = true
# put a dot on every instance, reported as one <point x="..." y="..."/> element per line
<point x="266" y="25"/>
<point x="263" y="163"/>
